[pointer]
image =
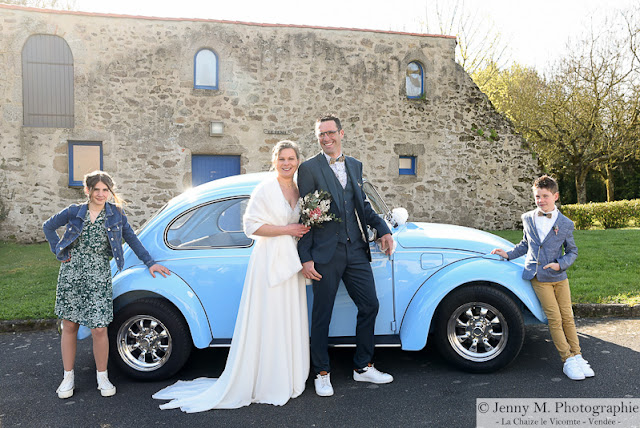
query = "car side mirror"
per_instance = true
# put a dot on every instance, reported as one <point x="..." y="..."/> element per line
<point x="399" y="216"/>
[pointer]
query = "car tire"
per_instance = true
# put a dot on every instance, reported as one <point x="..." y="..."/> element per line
<point x="479" y="329"/>
<point x="149" y="340"/>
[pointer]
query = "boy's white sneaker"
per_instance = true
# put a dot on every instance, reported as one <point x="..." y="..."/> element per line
<point x="572" y="369"/>
<point x="65" y="390"/>
<point x="585" y="366"/>
<point x="106" y="388"/>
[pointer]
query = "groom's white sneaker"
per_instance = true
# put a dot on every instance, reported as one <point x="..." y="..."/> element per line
<point x="323" y="385"/>
<point x="371" y="374"/>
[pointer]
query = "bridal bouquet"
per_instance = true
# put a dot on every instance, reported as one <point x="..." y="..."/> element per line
<point x="314" y="209"/>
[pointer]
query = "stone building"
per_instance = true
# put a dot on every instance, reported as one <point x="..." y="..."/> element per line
<point x="148" y="97"/>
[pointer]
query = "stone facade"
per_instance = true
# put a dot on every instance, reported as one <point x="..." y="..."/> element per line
<point x="134" y="92"/>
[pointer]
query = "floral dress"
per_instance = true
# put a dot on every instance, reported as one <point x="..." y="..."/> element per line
<point x="84" y="294"/>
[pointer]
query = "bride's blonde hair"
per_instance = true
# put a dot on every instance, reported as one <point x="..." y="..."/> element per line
<point x="280" y="146"/>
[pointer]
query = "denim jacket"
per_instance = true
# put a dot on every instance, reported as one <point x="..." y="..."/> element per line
<point x="72" y="218"/>
<point x="541" y="253"/>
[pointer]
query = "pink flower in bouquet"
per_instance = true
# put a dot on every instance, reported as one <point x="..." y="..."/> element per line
<point x="314" y="209"/>
<point x="315" y="214"/>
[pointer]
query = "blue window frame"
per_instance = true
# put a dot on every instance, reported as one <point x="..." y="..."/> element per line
<point x="205" y="69"/>
<point x="407" y="165"/>
<point x="84" y="157"/>
<point x="415" y="80"/>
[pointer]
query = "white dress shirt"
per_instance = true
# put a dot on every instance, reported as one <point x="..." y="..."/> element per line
<point x="543" y="223"/>
<point x="338" y="169"/>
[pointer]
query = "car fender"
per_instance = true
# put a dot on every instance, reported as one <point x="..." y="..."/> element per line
<point x="416" y="321"/>
<point x="136" y="282"/>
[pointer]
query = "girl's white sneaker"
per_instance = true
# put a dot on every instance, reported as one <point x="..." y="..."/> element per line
<point x="106" y="388"/>
<point x="65" y="390"/>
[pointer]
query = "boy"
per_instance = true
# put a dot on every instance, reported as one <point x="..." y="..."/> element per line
<point x="546" y="231"/>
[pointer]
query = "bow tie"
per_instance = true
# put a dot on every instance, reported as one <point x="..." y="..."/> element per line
<point x="338" y="159"/>
<point x="547" y="215"/>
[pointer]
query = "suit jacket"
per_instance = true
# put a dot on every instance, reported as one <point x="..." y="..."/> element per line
<point x="540" y="253"/>
<point x="320" y="243"/>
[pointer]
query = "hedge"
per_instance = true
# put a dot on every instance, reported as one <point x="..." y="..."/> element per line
<point x="610" y="215"/>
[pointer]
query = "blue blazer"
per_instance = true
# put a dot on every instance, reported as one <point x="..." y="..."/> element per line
<point x="540" y="253"/>
<point x="320" y="243"/>
<point x="118" y="228"/>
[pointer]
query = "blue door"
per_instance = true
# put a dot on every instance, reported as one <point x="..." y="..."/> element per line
<point x="206" y="168"/>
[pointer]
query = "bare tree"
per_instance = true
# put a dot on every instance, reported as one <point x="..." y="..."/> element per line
<point x="479" y="43"/>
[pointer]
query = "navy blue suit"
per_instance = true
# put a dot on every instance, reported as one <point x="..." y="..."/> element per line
<point x="339" y="252"/>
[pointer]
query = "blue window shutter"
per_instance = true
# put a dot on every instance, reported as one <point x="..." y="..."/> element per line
<point x="206" y="168"/>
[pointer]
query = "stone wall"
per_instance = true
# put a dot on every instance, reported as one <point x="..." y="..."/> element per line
<point x="134" y="93"/>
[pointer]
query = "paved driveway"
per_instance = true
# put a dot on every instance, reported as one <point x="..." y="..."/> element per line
<point x="426" y="391"/>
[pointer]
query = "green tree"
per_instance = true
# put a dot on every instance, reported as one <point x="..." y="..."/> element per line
<point x="581" y="119"/>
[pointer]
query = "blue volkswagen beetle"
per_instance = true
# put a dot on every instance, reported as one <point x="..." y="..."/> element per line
<point x="440" y="284"/>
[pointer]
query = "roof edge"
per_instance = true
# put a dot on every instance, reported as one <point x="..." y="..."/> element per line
<point x="219" y="21"/>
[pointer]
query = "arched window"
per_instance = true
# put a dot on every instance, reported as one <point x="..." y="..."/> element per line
<point x="47" y="82"/>
<point x="415" y="80"/>
<point x="205" y="70"/>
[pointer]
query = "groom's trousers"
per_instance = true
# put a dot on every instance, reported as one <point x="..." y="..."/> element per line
<point x="349" y="263"/>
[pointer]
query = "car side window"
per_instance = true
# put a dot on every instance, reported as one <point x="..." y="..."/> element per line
<point x="214" y="225"/>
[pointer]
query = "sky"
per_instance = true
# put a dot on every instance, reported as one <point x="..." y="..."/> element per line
<point x="536" y="32"/>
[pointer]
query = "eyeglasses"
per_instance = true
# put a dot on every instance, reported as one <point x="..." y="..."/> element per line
<point x="327" y="133"/>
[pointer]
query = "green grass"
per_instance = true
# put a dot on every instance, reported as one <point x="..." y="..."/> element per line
<point x="608" y="266"/>
<point x="607" y="271"/>
<point x="28" y="276"/>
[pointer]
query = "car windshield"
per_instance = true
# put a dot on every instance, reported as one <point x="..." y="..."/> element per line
<point x="377" y="203"/>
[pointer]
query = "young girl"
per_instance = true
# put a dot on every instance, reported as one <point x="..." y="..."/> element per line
<point x="93" y="233"/>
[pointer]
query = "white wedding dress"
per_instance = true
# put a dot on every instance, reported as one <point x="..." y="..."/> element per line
<point x="269" y="357"/>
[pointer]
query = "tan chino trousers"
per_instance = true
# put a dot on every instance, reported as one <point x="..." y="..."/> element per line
<point x="555" y="298"/>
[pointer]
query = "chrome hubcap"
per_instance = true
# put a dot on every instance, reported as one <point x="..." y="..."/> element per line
<point x="477" y="331"/>
<point x="144" y="343"/>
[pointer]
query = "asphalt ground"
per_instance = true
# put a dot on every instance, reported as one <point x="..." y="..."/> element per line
<point x="426" y="392"/>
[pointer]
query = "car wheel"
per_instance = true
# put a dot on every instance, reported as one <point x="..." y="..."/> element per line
<point x="479" y="329"/>
<point x="149" y="340"/>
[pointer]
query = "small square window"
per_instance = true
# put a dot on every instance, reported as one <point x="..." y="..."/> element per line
<point x="84" y="157"/>
<point x="407" y="165"/>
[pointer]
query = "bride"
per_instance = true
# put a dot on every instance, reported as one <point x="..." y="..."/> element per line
<point x="269" y="357"/>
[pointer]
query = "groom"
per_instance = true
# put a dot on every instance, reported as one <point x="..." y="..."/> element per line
<point x="338" y="250"/>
